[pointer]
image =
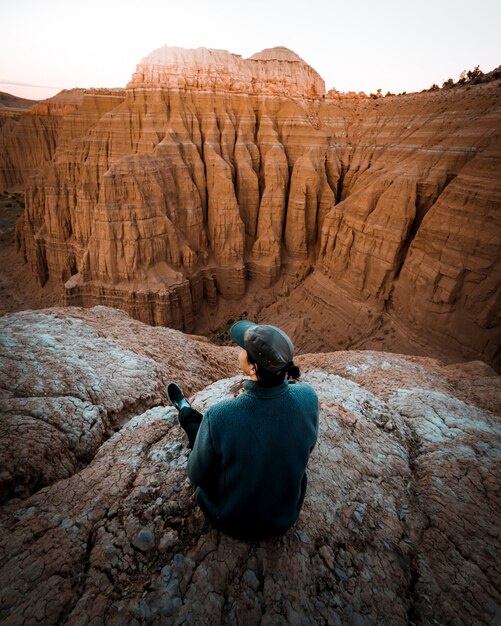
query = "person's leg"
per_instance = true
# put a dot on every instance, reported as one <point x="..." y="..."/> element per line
<point x="190" y="420"/>
<point x="188" y="417"/>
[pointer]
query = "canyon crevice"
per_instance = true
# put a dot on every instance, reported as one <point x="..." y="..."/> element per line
<point x="214" y="185"/>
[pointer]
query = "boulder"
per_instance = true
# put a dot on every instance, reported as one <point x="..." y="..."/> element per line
<point x="399" y="523"/>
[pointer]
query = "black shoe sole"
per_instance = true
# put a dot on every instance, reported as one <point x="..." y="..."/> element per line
<point x="176" y="396"/>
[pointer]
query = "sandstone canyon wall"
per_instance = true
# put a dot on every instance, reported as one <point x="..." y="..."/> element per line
<point x="216" y="178"/>
<point x="29" y="142"/>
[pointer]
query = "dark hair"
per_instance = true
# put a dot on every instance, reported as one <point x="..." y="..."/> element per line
<point x="273" y="379"/>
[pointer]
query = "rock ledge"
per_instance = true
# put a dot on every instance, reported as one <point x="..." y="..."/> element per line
<point x="403" y="491"/>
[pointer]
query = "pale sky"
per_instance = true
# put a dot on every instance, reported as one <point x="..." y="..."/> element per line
<point x="395" y="45"/>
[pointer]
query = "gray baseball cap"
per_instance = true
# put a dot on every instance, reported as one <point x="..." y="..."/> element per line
<point x="269" y="346"/>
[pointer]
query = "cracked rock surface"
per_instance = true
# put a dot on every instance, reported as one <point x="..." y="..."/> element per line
<point x="400" y="523"/>
<point x="71" y="377"/>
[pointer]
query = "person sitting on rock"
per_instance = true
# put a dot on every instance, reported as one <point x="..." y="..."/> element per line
<point x="249" y="453"/>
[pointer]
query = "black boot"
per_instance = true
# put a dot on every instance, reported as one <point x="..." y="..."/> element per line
<point x="176" y="396"/>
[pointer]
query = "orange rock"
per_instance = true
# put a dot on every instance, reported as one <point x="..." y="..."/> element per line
<point x="214" y="177"/>
<point x="275" y="71"/>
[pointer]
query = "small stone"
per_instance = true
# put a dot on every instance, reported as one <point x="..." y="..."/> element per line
<point x="143" y="492"/>
<point x="327" y="555"/>
<point x="57" y="519"/>
<point x="168" y="540"/>
<point x="358" y="517"/>
<point x="166" y="605"/>
<point x="251" y="579"/>
<point x="143" y="610"/>
<point x="341" y="574"/>
<point x="144" y="540"/>
<point x="172" y="588"/>
<point x="73" y="531"/>
<point x="302" y="536"/>
<point x="25" y="513"/>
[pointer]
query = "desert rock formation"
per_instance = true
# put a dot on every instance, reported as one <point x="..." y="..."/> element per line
<point x="274" y="71"/>
<point x="215" y="178"/>
<point x="399" y="524"/>
<point x="28" y="143"/>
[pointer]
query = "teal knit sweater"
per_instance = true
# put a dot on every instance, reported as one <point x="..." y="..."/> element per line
<point x="249" y="459"/>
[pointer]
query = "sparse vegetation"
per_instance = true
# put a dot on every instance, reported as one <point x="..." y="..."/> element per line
<point x="222" y="334"/>
<point x="470" y="77"/>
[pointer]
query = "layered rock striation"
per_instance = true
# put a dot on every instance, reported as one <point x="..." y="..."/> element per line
<point x="399" y="524"/>
<point x="273" y="71"/>
<point x="28" y="143"/>
<point x="214" y="176"/>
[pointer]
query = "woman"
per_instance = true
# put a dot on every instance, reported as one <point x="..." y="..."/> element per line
<point x="250" y="453"/>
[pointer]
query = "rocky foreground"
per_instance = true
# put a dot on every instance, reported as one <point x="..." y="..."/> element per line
<point x="400" y="523"/>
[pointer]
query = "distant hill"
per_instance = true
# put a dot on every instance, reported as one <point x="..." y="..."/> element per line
<point x="76" y="95"/>
<point x="10" y="102"/>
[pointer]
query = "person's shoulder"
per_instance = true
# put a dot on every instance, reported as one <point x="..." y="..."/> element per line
<point x="303" y="392"/>
<point x="221" y="409"/>
<point x="221" y="419"/>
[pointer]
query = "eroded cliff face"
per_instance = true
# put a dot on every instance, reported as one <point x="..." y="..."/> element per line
<point x="399" y="524"/>
<point x="216" y="178"/>
<point x="273" y="71"/>
<point x="28" y="142"/>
